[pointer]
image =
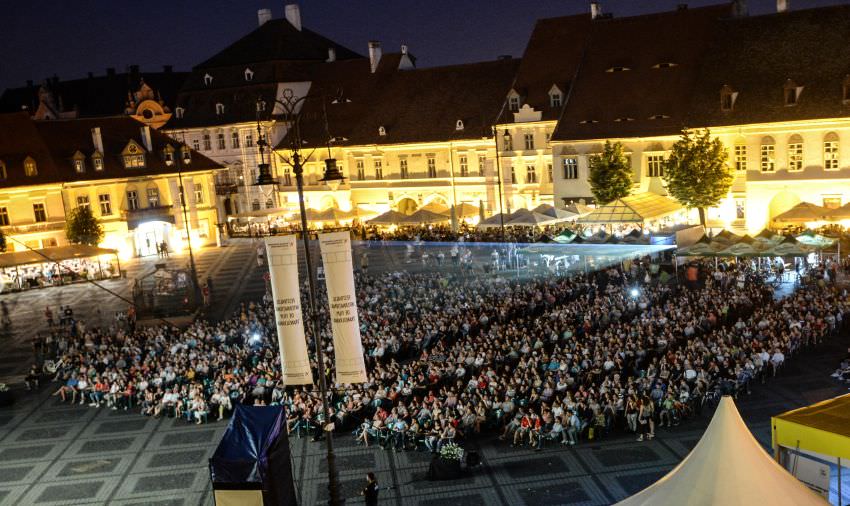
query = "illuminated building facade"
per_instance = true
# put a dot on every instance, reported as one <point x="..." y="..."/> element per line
<point x="127" y="173"/>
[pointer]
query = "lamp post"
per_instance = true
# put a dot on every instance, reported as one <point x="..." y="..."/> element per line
<point x="499" y="178"/>
<point x="196" y="290"/>
<point x="333" y="178"/>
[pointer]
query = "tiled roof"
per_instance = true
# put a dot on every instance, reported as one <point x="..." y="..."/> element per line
<point x="637" y="74"/>
<point x="551" y="57"/>
<point x="95" y="96"/>
<point x="52" y="144"/>
<point x="277" y="40"/>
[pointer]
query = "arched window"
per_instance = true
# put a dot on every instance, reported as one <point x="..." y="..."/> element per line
<point x="249" y="74"/>
<point x="219" y="108"/>
<point x="768" y="154"/>
<point x="382" y="131"/>
<point x="208" y="79"/>
<point x="30" y="167"/>
<point x="795" y="152"/>
<point x="830" y="151"/>
<point x="459" y="125"/>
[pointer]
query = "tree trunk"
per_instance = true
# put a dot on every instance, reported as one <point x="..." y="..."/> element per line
<point x="701" y="216"/>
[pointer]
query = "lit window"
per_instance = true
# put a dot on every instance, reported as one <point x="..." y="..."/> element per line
<point x="219" y="109"/>
<point x="169" y="155"/>
<point x="570" y="168"/>
<point x="379" y="169"/>
<point x="382" y="131"/>
<point x="464" y="166"/>
<point x="83" y="201"/>
<point x="221" y="144"/>
<point x="361" y="170"/>
<point x="179" y="111"/>
<point x="79" y="166"/>
<point x="795" y="153"/>
<point x="30" y="168"/>
<point x="741" y="157"/>
<point x="39" y="213"/>
<point x="199" y="193"/>
<point x="196" y="144"/>
<point x="655" y="165"/>
<point x="459" y="125"/>
<point x="768" y="155"/>
<point x="207" y="142"/>
<point x="134" y="161"/>
<point x="402" y="166"/>
<point x="4" y="217"/>
<point x="432" y="166"/>
<point x="234" y="139"/>
<point x="530" y="174"/>
<point x="830" y="152"/>
<point x="153" y="197"/>
<point x="132" y="200"/>
<point x="529" y="141"/>
<point x="105" y="204"/>
<point x="508" y="143"/>
<point x="249" y="140"/>
<point x="513" y="103"/>
<point x="187" y="155"/>
<point x="482" y="160"/>
<point x="97" y="161"/>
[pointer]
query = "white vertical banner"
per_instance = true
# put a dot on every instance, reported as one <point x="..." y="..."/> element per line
<point x="342" y="299"/>
<point x="282" y="255"/>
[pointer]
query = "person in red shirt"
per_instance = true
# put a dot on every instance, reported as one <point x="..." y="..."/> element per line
<point x="523" y="430"/>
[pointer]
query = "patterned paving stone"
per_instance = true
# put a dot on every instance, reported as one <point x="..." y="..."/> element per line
<point x="174" y="481"/>
<point x="43" y="433"/>
<point x="535" y="467"/>
<point x="106" y="445"/>
<point x="201" y="436"/>
<point x="634" y="483"/>
<point x="364" y="461"/>
<point x="626" y="455"/>
<point x="348" y="488"/>
<point x="4" y="493"/>
<point x="24" y="453"/>
<point x="181" y="458"/>
<point x="64" y="416"/>
<point x="84" y="467"/>
<point x="12" y="474"/>
<point x="463" y="500"/>
<point x="421" y="481"/>
<point x="5" y="419"/>
<point x="551" y="495"/>
<point x="122" y="426"/>
<point x="70" y="492"/>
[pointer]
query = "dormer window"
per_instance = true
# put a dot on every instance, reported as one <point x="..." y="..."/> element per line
<point x="382" y="131"/>
<point x="792" y="93"/>
<point x="30" y="167"/>
<point x="459" y="125"/>
<point x="179" y="112"/>
<point x="79" y="161"/>
<point x="659" y="116"/>
<point x="588" y="121"/>
<point x="618" y="69"/>
<point x="626" y="118"/>
<point x="168" y="155"/>
<point x="186" y="154"/>
<point x="2" y="169"/>
<point x="97" y="161"/>
<point x="249" y="75"/>
<point x="219" y="109"/>
<point x="513" y="102"/>
<point x="133" y="156"/>
<point x="208" y="79"/>
<point x="727" y="98"/>
<point x="665" y="65"/>
<point x="261" y="105"/>
<point x="556" y="97"/>
<point x="845" y="90"/>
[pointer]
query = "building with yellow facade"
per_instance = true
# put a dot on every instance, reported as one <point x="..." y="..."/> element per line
<point x="127" y="173"/>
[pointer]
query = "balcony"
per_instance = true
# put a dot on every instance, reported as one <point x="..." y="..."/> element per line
<point x="135" y="217"/>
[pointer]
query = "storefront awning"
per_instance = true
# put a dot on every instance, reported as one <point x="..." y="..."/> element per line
<point x="54" y="254"/>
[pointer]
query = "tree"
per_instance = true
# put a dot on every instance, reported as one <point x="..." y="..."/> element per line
<point x="696" y="172"/>
<point x="610" y="174"/>
<point x="82" y="227"/>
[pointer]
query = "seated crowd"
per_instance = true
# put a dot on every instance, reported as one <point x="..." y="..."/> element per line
<point x="451" y="356"/>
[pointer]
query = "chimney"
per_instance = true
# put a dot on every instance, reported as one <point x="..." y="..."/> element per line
<point x="374" y="54"/>
<point x="264" y="15"/>
<point x="146" y="138"/>
<point x="167" y="69"/>
<point x="739" y="9"/>
<point x="783" y="5"/>
<point x="293" y="15"/>
<point x="110" y="71"/>
<point x="97" y="139"/>
<point x="331" y="55"/>
<point x="595" y="10"/>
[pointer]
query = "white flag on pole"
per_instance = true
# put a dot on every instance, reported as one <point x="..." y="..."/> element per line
<point x="282" y="254"/>
<point x="342" y="299"/>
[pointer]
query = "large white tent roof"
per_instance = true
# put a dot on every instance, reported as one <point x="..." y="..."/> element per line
<point x="727" y="467"/>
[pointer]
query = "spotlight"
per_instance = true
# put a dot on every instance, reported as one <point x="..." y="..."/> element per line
<point x="634" y="293"/>
<point x="255" y="338"/>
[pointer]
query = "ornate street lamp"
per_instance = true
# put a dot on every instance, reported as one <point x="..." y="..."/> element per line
<point x="333" y="178"/>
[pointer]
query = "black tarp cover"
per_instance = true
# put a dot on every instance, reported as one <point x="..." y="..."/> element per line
<point x="254" y="454"/>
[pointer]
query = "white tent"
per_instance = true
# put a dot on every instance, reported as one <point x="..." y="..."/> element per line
<point x="727" y="467"/>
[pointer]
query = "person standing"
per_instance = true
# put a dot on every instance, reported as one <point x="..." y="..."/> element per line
<point x="370" y="491"/>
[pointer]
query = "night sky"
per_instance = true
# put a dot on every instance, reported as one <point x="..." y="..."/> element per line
<point x="70" y="38"/>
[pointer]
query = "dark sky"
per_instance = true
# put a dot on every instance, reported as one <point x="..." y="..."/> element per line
<point x="69" y="38"/>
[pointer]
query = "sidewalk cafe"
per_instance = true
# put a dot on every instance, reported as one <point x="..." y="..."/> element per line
<point x="58" y="265"/>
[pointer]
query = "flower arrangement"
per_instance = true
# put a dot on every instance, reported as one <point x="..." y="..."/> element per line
<point x="451" y="451"/>
<point x="3" y="387"/>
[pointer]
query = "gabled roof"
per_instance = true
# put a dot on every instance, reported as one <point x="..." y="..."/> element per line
<point x="636" y="208"/>
<point x="53" y="144"/>
<point x="277" y="40"/>
<point x="552" y="57"/>
<point x="620" y="84"/>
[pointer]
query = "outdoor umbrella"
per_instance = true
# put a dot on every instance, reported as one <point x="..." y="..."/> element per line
<point x="553" y="212"/>
<point x="842" y="213"/>
<point x="726" y="237"/>
<point x="424" y="217"/>
<point x="524" y="217"/>
<point x="579" y="209"/>
<point x="803" y="212"/>
<point x="790" y="249"/>
<point x="333" y="214"/>
<point x="464" y="210"/>
<point x="388" y="218"/>
<point x="436" y="207"/>
<point x="815" y="240"/>
<point x="495" y="220"/>
<point x="565" y="237"/>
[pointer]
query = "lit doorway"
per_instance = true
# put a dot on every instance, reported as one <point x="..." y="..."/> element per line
<point x="149" y="235"/>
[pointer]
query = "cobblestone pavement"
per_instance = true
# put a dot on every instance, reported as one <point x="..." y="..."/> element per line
<point x="55" y="454"/>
